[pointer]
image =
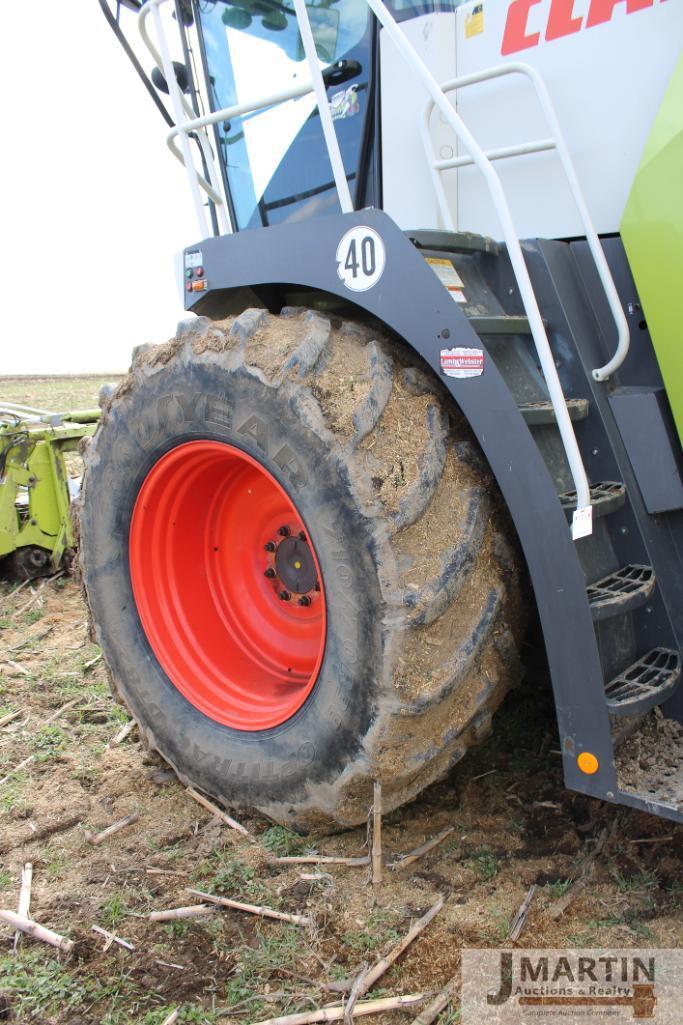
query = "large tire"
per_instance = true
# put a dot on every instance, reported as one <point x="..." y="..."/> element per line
<point x="422" y="587"/>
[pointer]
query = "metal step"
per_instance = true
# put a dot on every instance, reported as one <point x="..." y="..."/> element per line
<point x="626" y="589"/>
<point x="648" y="682"/>
<point x="606" y="497"/>
<point x="454" y="241"/>
<point x="536" y="413"/>
<point x="650" y="764"/>
<point x="500" y="325"/>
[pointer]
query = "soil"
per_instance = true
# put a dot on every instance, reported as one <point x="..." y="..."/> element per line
<point x="513" y="822"/>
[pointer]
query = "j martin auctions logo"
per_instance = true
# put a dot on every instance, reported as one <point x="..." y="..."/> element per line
<point x="516" y="987"/>
<point x="564" y="981"/>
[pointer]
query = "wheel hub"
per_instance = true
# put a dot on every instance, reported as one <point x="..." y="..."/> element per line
<point x="294" y="565"/>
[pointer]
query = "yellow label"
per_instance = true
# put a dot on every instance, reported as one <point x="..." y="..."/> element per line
<point x="474" y="21"/>
<point x="449" y="277"/>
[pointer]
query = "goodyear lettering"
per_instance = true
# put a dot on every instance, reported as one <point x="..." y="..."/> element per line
<point x="256" y="429"/>
<point x="288" y="461"/>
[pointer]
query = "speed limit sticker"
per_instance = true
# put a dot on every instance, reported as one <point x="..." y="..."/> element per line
<point x="360" y="258"/>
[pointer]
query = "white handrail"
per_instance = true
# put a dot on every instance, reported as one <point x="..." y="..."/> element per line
<point x="514" y="248"/>
<point x="331" y="141"/>
<point x="543" y="96"/>
<point x="502" y="153"/>
<point x="182" y="112"/>
<point x="226" y="114"/>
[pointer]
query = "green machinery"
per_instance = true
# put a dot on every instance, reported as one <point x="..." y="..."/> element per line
<point x="36" y="529"/>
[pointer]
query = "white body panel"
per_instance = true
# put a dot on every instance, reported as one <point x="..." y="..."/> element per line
<point x="408" y="195"/>
<point x="606" y="82"/>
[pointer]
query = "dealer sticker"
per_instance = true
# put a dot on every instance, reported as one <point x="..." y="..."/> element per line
<point x="462" y="362"/>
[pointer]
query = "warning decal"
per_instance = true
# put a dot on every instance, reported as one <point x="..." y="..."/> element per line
<point x="474" y="21"/>
<point x="462" y="362"/>
<point x="449" y="278"/>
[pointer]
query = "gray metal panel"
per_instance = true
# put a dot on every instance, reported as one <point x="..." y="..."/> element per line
<point x="411" y="301"/>
<point x="641" y="417"/>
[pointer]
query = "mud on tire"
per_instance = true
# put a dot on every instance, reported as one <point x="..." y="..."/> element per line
<point x="421" y="584"/>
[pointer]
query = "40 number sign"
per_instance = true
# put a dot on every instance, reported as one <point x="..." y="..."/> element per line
<point x="360" y="258"/>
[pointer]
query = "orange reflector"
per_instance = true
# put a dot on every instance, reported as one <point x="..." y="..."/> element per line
<point x="588" y="763"/>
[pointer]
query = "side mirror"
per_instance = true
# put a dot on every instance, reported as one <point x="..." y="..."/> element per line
<point x="181" y="77"/>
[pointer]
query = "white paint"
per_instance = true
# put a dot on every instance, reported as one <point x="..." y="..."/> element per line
<point x="408" y="192"/>
<point x="606" y="83"/>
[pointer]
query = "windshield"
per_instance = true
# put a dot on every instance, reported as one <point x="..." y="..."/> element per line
<point x="275" y="159"/>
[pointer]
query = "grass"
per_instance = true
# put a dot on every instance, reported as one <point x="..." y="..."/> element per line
<point x="39" y="984"/>
<point x="485" y="864"/>
<point x="636" y="883"/>
<point x="283" y="842"/>
<point x="113" y="910"/>
<point x="12" y="797"/>
<point x="226" y="875"/>
<point x="374" y="934"/>
<point x="55" y="393"/>
<point x="557" y="889"/>
<point x="48" y="742"/>
<point x="278" y="949"/>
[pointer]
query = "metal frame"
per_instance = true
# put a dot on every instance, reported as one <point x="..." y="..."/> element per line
<point x="32" y="447"/>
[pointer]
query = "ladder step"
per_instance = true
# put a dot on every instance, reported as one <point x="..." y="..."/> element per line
<point x="648" y="682"/>
<point x="501" y="325"/>
<point x="454" y="241"/>
<point x="536" y="413"/>
<point x="626" y="589"/>
<point x="606" y="497"/>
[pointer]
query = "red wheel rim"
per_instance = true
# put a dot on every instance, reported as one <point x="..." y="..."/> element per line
<point x="227" y="585"/>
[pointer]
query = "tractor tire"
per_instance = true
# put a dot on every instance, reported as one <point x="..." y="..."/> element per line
<point x="391" y="593"/>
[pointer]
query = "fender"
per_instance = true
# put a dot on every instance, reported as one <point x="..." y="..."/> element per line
<point x="409" y="299"/>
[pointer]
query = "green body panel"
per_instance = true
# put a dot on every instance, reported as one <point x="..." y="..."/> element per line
<point x="652" y="232"/>
<point x="33" y="464"/>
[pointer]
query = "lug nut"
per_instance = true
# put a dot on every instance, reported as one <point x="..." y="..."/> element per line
<point x="284" y="531"/>
<point x="304" y="600"/>
<point x="269" y="546"/>
<point x="270" y="573"/>
<point x="284" y="596"/>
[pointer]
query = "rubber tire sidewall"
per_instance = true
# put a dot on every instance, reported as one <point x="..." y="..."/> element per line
<point x="187" y="401"/>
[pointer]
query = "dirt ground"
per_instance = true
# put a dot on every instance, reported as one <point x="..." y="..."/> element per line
<point x="605" y="875"/>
